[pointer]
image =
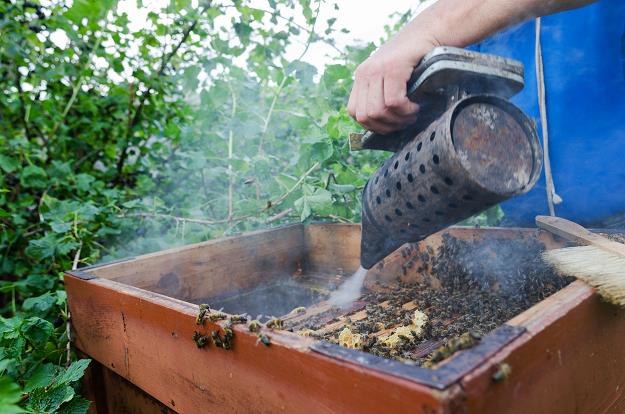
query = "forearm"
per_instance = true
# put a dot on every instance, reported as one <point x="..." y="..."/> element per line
<point x="463" y="22"/>
<point x="378" y="99"/>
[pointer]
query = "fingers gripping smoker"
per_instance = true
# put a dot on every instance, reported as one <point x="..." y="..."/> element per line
<point x="470" y="149"/>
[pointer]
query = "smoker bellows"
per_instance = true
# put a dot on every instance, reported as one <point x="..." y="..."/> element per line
<point x="469" y="150"/>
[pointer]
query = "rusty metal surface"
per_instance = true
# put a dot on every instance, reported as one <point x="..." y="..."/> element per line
<point x="433" y="182"/>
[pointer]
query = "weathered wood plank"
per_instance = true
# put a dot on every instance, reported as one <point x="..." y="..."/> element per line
<point x="214" y="267"/>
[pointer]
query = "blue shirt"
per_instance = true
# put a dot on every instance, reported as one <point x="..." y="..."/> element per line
<point x="584" y="68"/>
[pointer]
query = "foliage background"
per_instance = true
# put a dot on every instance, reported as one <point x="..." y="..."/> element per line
<point x="122" y="142"/>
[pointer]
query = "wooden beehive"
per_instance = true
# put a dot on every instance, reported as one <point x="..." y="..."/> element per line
<point x="136" y="319"/>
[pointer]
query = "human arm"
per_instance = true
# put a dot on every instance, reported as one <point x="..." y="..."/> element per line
<point x="378" y="99"/>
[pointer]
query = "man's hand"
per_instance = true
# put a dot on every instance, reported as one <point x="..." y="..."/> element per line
<point x="378" y="100"/>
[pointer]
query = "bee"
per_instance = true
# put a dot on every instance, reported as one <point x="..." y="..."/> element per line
<point x="263" y="339"/>
<point x="274" y="323"/>
<point x="216" y="316"/>
<point x="200" y="340"/>
<point x="254" y="326"/>
<point x="228" y="335"/>
<point x="298" y="310"/>
<point x="378" y="326"/>
<point x="503" y="372"/>
<point x="217" y="339"/>
<point x="204" y="309"/>
<point x="238" y="319"/>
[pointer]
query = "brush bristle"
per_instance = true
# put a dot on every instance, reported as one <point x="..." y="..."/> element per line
<point x="602" y="270"/>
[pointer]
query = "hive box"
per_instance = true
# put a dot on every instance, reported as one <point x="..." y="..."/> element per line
<point x="136" y="319"/>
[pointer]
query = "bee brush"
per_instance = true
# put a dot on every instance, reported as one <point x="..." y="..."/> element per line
<point x="600" y="262"/>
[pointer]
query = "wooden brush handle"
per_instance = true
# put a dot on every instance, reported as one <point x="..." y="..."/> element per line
<point x="576" y="233"/>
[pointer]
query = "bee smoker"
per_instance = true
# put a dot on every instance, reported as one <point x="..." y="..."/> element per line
<point x="469" y="150"/>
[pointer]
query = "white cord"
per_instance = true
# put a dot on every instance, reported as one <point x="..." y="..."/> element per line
<point x="552" y="197"/>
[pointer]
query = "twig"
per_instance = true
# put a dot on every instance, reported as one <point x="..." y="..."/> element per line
<point x="290" y="21"/>
<point x="20" y="93"/>
<point x="229" y="220"/>
<point x="230" y="151"/>
<point x="68" y="325"/>
<point x="297" y="184"/>
<point x="280" y="215"/>
<point x="285" y="77"/>
<point x="270" y="113"/>
<point x="166" y="58"/>
<point x="181" y="219"/>
<point x="75" y="89"/>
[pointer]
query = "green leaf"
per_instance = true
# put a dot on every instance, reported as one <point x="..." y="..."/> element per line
<point x="78" y="405"/>
<point x="88" y="9"/>
<point x="8" y="164"/>
<point x="74" y="372"/>
<point x="48" y="400"/>
<point x="59" y="227"/>
<point x="37" y="330"/>
<point x="41" y="377"/>
<point x="39" y="304"/>
<point x="84" y="181"/>
<point x="10" y="395"/>
<point x="33" y="177"/>
<point x="42" y="248"/>
<point x="320" y="199"/>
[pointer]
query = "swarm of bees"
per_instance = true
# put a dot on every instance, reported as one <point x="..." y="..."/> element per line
<point x="225" y="341"/>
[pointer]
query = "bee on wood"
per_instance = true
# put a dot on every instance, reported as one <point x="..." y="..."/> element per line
<point x="216" y="316"/>
<point x="503" y="372"/>
<point x="274" y="323"/>
<point x="238" y="319"/>
<point x="263" y="339"/>
<point x="200" y="340"/>
<point x="204" y="309"/>
<point x="217" y="339"/>
<point x="254" y="326"/>
<point x="298" y="310"/>
<point x="224" y="342"/>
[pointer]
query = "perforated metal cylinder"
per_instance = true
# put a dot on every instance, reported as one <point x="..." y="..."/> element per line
<point x="480" y="152"/>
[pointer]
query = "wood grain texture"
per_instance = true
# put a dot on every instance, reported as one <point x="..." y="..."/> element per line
<point x="112" y="394"/>
<point x="332" y="246"/>
<point x="214" y="267"/>
<point x="146" y="338"/>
